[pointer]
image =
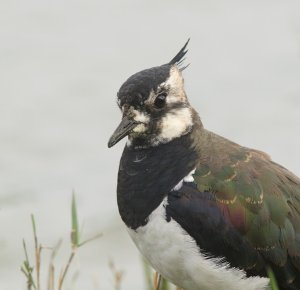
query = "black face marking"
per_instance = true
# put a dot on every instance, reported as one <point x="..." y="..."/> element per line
<point x="137" y="88"/>
<point x="147" y="175"/>
<point x="160" y="100"/>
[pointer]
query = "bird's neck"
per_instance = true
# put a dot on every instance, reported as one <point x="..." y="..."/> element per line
<point x="147" y="175"/>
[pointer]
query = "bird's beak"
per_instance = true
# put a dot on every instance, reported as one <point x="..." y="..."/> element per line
<point x="123" y="130"/>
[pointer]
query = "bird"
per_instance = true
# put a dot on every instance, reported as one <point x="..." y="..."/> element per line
<point x="204" y="211"/>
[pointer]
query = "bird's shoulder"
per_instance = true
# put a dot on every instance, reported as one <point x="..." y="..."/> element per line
<point x="249" y="179"/>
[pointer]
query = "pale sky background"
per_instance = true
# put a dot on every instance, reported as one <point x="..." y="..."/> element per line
<point x="61" y="65"/>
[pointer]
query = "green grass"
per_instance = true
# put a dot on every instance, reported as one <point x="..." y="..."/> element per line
<point x="273" y="282"/>
<point x="31" y="270"/>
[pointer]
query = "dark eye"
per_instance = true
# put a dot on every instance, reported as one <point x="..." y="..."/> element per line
<point x="160" y="100"/>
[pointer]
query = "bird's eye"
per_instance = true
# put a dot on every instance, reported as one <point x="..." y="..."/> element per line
<point x="160" y="100"/>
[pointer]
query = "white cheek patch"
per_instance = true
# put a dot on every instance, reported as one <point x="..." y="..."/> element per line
<point x="175" y="124"/>
<point x="172" y="99"/>
<point x="141" y="128"/>
<point x="141" y="117"/>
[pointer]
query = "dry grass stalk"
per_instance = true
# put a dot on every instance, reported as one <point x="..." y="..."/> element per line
<point x="156" y="281"/>
<point x="27" y="269"/>
<point x="51" y="277"/>
<point x="117" y="274"/>
<point x="63" y="274"/>
<point x="51" y="271"/>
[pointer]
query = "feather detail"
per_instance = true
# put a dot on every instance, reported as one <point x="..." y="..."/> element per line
<point x="179" y="57"/>
<point x="258" y="197"/>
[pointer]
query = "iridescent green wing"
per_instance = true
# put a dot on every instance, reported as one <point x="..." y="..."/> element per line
<point x="260" y="198"/>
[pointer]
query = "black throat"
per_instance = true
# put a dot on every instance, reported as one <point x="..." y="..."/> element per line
<point x="147" y="175"/>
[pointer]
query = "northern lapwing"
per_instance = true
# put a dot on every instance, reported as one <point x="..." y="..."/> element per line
<point x="207" y="213"/>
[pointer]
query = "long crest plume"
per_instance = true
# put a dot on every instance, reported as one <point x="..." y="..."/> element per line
<point x="179" y="57"/>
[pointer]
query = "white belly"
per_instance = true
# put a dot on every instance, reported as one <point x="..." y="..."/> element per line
<point x="175" y="255"/>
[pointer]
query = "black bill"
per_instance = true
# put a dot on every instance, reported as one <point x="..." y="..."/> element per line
<point x="123" y="130"/>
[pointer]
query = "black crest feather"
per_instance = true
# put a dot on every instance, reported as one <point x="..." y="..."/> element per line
<point x="179" y="57"/>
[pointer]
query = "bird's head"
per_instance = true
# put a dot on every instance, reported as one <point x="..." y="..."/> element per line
<point x="154" y="105"/>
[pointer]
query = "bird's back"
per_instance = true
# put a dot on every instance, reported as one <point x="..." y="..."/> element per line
<point x="259" y="201"/>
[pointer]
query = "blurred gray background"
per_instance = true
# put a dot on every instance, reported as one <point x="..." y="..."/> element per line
<point x="61" y="64"/>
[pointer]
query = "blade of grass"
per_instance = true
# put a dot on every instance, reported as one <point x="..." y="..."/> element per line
<point x="27" y="269"/>
<point x="38" y="250"/>
<point x="75" y="227"/>
<point x="74" y="241"/>
<point x="165" y="285"/>
<point x="273" y="282"/>
<point x="90" y="239"/>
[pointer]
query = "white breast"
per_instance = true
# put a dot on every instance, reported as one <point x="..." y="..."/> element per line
<point x="175" y="255"/>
